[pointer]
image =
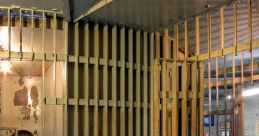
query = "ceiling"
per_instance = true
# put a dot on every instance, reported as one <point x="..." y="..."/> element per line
<point x="145" y="14"/>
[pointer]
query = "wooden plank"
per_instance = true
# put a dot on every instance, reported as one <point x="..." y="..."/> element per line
<point x="194" y="99"/>
<point x="130" y="80"/>
<point x="86" y="80"/>
<point x="225" y="94"/>
<point x="21" y="27"/>
<point x="250" y="37"/>
<point x="156" y="82"/>
<point x="96" y="80"/>
<point x="222" y="29"/>
<point x="122" y="83"/>
<point x="105" y="80"/>
<point x="114" y="81"/>
<point x="184" y="99"/>
<point x="33" y="26"/>
<point x="145" y="87"/>
<point x="75" y="91"/>
<point x="201" y="102"/>
<point x="151" y="86"/>
<point x="138" y="85"/>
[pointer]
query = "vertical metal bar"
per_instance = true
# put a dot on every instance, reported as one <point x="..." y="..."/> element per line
<point x="43" y="64"/>
<point x="221" y="30"/>
<point x="201" y="85"/>
<point x="176" y="41"/>
<point x="186" y="40"/>
<point x="86" y="80"/>
<point x="197" y="35"/>
<point x="164" y="100"/>
<point x="151" y="77"/>
<point x="209" y="72"/>
<point x="76" y="52"/>
<point x="105" y="80"/>
<point x="96" y="80"/>
<point x="209" y="34"/>
<point x="225" y="93"/>
<point x="32" y="28"/>
<point x="250" y="38"/>
<point x="233" y="70"/>
<point x="164" y="83"/>
<point x="138" y="89"/>
<point x="122" y="83"/>
<point x="114" y="82"/>
<point x="21" y="27"/>
<point x="194" y="79"/>
<point x="194" y="99"/>
<point x="65" y="29"/>
<point x="156" y="82"/>
<point x="235" y="26"/>
<point x="217" y="95"/>
<point x="54" y="29"/>
<point x="209" y="89"/>
<point x="145" y="113"/>
<point x="9" y="33"/>
<point x="130" y="78"/>
<point x="184" y="98"/>
<point x="175" y="84"/>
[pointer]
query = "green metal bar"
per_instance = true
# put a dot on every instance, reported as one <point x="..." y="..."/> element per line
<point x="114" y="81"/>
<point x="138" y="85"/>
<point x="43" y="64"/>
<point x="145" y="113"/>
<point x="105" y="80"/>
<point x="184" y="99"/>
<point x="76" y="51"/>
<point x="130" y="80"/>
<point x="122" y="83"/>
<point x="96" y="80"/>
<point x="151" y="78"/>
<point x="86" y="80"/>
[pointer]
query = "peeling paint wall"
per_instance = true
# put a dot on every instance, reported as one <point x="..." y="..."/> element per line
<point x="20" y="103"/>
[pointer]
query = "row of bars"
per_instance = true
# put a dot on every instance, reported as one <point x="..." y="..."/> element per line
<point x="30" y="55"/>
<point x="222" y="53"/>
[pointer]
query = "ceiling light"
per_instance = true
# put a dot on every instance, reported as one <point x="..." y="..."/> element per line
<point x="251" y="92"/>
<point x="229" y="97"/>
<point x="5" y="67"/>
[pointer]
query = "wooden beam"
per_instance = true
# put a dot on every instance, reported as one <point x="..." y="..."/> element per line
<point x="151" y="84"/>
<point x="194" y="99"/>
<point x="184" y="99"/>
